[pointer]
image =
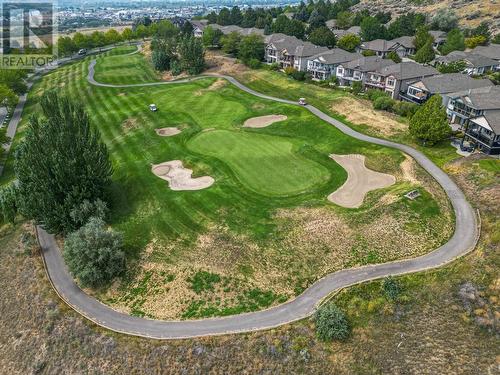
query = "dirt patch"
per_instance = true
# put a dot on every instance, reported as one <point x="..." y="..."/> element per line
<point x="180" y="178"/>
<point x="217" y="85"/>
<point x="130" y="124"/>
<point x="361" y="112"/>
<point x="168" y="76"/>
<point x="220" y="64"/>
<point x="168" y="132"/>
<point x="360" y="181"/>
<point x="408" y="169"/>
<point x="263" y="121"/>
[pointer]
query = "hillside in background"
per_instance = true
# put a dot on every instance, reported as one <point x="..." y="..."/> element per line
<point x="470" y="12"/>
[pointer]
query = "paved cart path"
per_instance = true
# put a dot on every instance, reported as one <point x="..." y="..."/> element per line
<point x="462" y="241"/>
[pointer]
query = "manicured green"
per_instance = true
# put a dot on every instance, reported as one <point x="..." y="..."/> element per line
<point x="267" y="164"/>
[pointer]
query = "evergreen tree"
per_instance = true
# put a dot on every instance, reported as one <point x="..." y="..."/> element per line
<point x="212" y="17"/>
<point x="425" y="54"/>
<point x="160" y="59"/>
<point x="249" y="18"/>
<point x="430" y="123"/>
<point x="422" y="36"/>
<point x="236" y="16"/>
<point x="186" y="29"/>
<point x="372" y="29"/>
<point x="60" y="163"/>
<point x="322" y="36"/>
<point x="224" y="17"/>
<point x="344" y="20"/>
<point x="316" y="20"/>
<point x="191" y="55"/>
<point x="455" y="41"/>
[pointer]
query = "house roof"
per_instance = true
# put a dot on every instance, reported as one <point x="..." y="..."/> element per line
<point x="294" y="46"/>
<point x="452" y="82"/>
<point x="405" y="41"/>
<point x="489" y="120"/>
<point x="336" y="56"/>
<point x="243" y="31"/>
<point x="355" y="30"/>
<point x="492" y="51"/>
<point x="408" y="70"/>
<point x="438" y="35"/>
<point x="473" y="59"/>
<point x="368" y="64"/>
<point x="378" y="45"/>
<point x="331" y="23"/>
<point x="480" y="98"/>
<point x="200" y="24"/>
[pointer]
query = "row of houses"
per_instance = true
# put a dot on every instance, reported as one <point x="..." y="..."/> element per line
<point x="472" y="104"/>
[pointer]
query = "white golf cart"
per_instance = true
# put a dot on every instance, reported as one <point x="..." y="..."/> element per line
<point x="152" y="108"/>
<point x="302" y="101"/>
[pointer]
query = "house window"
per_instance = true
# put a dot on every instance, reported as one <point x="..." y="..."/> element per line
<point x="390" y="82"/>
<point x="340" y="70"/>
<point x="413" y="91"/>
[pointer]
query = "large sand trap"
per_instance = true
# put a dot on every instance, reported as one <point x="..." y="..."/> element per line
<point x="360" y="181"/>
<point x="263" y="121"/>
<point x="179" y="178"/>
<point x="168" y="132"/>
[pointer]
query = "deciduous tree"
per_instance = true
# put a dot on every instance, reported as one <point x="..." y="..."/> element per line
<point x="322" y="36"/>
<point x="60" y="163"/>
<point x="349" y="42"/>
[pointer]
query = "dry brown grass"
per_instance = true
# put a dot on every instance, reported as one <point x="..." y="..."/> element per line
<point x="220" y="64"/>
<point x="359" y="111"/>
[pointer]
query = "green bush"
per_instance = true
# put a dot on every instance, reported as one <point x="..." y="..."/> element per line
<point x="83" y="212"/>
<point x="274" y="66"/>
<point x="175" y="68"/>
<point x="290" y="70"/>
<point x="331" y="323"/>
<point x="357" y="87"/>
<point x="385" y="103"/>
<point x="373" y="94"/>
<point x="253" y="64"/>
<point x="94" y="254"/>
<point x="391" y="288"/>
<point x="160" y="59"/>
<point x="299" y="76"/>
<point x="405" y="109"/>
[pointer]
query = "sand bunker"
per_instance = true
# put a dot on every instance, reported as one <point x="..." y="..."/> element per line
<point x="167" y="132"/>
<point x="360" y="181"/>
<point x="179" y="178"/>
<point x="263" y="121"/>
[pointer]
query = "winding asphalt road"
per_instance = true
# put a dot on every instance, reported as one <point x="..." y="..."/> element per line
<point x="462" y="241"/>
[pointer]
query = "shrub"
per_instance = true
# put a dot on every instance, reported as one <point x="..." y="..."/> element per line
<point x="405" y="109"/>
<point x="289" y="70"/>
<point x="94" y="254"/>
<point x="357" y="87"/>
<point x="394" y="57"/>
<point x="373" y="94"/>
<point x="368" y="52"/>
<point x="391" y="288"/>
<point x="274" y="66"/>
<point x="331" y="323"/>
<point x="384" y="103"/>
<point x="160" y="59"/>
<point x="299" y="76"/>
<point x="430" y="122"/>
<point x="175" y="68"/>
<point x="253" y="64"/>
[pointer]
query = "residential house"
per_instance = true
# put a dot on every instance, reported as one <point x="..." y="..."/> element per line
<point x="407" y="43"/>
<point x="288" y="51"/>
<point x="492" y="51"/>
<point x="382" y="47"/>
<point x="471" y="103"/>
<point x="353" y="30"/>
<point x="198" y="27"/>
<point x="484" y="132"/>
<point x="395" y="78"/>
<point x="357" y="70"/>
<point x="421" y="90"/>
<point x="324" y="65"/>
<point x="439" y="37"/>
<point x="475" y="64"/>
